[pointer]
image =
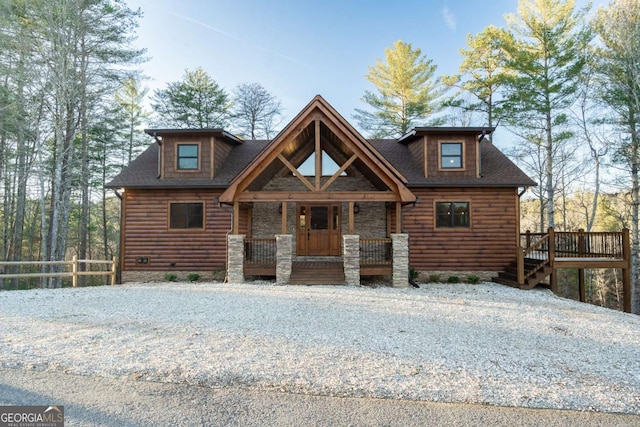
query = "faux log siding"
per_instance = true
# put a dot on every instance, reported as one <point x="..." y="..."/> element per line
<point x="490" y="243"/>
<point x="146" y="232"/>
<point x="433" y="159"/>
<point x="169" y="152"/>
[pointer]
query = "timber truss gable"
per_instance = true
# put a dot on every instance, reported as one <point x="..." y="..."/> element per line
<point x="318" y="133"/>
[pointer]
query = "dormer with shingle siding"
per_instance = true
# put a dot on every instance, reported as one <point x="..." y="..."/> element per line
<point x="192" y="154"/>
<point x="446" y="152"/>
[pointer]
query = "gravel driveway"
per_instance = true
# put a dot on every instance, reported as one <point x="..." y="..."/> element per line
<point x="482" y="343"/>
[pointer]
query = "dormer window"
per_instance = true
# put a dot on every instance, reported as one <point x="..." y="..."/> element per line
<point x="187" y="157"/>
<point x="451" y="155"/>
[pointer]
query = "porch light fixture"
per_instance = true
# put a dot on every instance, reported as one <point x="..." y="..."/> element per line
<point x="356" y="208"/>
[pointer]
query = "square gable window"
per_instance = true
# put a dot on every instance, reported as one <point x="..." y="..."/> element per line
<point x="451" y="155"/>
<point x="187" y="157"/>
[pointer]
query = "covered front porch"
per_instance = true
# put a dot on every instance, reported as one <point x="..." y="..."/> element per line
<point x="359" y="258"/>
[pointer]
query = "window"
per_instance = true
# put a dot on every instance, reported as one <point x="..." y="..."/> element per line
<point x="452" y="214"/>
<point x="186" y="215"/>
<point x="451" y="155"/>
<point x="187" y="157"/>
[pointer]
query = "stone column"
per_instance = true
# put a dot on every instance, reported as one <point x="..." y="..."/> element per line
<point x="351" y="256"/>
<point x="400" y="243"/>
<point x="235" y="258"/>
<point x="284" y="258"/>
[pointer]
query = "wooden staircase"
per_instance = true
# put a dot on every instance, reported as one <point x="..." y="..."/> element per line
<point x="317" y="273"/>
<point x="509" y="276"/>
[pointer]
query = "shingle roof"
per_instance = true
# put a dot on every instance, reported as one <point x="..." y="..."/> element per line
<point x="143" y="171"/>
<point x="497" y="169"/>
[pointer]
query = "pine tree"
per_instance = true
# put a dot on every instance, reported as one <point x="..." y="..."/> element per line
<point x="196" y="101"/>
<point x="544" y="58"/>
<point x="407" y="93"/>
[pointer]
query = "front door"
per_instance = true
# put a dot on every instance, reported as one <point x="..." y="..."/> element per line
<point x="318" y="230"/>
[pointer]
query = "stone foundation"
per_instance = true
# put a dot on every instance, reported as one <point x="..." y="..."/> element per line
<point x="159" y="276"/>
<point x="485" y="276"/>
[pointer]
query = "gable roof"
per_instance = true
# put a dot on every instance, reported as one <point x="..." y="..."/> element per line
<point x="392" y="157"/>
<point x="319" y="114"/>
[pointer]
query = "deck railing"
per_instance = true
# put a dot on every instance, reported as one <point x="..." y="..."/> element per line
<point x="376" y="252"/>
<point x="574" y="244"/>
<point x="260" y="256"/>
<point x="376" y="257"/>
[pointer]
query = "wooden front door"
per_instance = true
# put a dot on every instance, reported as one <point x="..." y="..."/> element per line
<point x="318" y="230"/>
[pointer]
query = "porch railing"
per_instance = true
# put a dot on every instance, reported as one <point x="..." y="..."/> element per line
<point x="260" y="256"/>
<point x="376" y="256"/>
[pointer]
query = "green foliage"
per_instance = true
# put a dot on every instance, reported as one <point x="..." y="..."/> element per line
<point x="482" y="74"/>
<point x="196" y="101"/>
<point x="434" y="278"/>
<point x="193" y="277"/>
<point x="453" y="279"/>
<point x="413" y="273"/>
<point x="407" y="92"/>
<point x="472" y="278"/>
<point x="170" y="277"/>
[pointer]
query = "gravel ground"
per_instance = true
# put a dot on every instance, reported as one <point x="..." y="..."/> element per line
<point x="484" y="343"/>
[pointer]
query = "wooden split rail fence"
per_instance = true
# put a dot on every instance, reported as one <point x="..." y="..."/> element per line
<point x="72" y="271"/>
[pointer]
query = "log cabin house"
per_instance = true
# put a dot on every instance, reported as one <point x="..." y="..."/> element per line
<point x="319" y="203"/>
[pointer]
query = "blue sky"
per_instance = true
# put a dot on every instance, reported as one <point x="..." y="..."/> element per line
<point x="297" y="49"/>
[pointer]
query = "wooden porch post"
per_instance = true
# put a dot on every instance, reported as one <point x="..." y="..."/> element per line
<point x="398" y="217"/>
<point x="581" y="253"/>
<point x="284" y="217"/>
<point x="552" y="256"/>
<point x="626" y="272"/>
<point x="520" y="265"/>
<point x="236" y="217"/>
<point x="351" y="219"/>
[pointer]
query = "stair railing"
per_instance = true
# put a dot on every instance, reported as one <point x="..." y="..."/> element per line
<point x="542" y="250"/>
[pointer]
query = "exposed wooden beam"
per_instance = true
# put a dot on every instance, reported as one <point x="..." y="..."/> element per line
<point x="318" y="156"/>
<point x="330" y="196"/>
<point x="339" y="172"/>
<point x="296" y="172"/>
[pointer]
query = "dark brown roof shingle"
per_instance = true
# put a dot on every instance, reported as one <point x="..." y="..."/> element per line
<point x="497" y="169"/>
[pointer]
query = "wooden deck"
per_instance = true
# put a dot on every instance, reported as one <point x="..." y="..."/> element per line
<point x="541" y="255"/>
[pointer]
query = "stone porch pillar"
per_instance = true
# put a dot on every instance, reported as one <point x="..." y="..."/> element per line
<point x="284" y="258"/>
<point x="400" y="277"/>
<point x="235" y="258"/>
<point x="351" y="256"/>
